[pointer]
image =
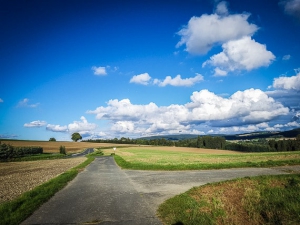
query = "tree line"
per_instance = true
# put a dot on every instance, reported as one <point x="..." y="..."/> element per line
<point x="8" y="151"/>
<point x="211" y="142"/>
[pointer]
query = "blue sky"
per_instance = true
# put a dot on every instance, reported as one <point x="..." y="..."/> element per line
<point x="132" y="68"/>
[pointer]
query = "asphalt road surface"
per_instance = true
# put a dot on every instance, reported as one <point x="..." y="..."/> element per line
<point x="85" y="152"/>
<point x="105" y="194"/>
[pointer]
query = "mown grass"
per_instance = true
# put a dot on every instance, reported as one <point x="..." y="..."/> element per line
<point x="149" y="159"/>
<point x="17" y="210"/>
<point x="257" y="200"/>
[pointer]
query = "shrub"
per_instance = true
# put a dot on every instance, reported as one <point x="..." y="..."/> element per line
<point x="52" y="139"/>
<point x="62" y="150"/>
<point x="6" y="151"/>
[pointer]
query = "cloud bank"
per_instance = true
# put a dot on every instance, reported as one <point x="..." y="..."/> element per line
<point x="249" y="107"/>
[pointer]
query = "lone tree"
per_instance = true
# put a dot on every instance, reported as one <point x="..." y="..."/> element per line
<point x="76" y="136"/>
<point x="52" y="139"/>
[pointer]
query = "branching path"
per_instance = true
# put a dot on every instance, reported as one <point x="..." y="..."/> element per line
<point x="105" y="194"/>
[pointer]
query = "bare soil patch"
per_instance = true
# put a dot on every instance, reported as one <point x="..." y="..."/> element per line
<point x="19" y="177"/>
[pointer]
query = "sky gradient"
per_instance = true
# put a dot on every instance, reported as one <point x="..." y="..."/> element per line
<point x="132" y="68"/>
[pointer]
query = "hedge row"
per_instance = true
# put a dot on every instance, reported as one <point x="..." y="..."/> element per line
<point x="7" y="151"/>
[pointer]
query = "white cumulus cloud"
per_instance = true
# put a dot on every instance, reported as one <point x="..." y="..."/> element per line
<point x="100" y="71"/>
<point x="57" y="128"/>
<point x="178" y="81"/>
<point x="143" y="79"/>
<point x="241" y="54"/>
<point x="36" y="123"/>
<point x="288" y="83"/>
<point x="81" y="126"/>
<point x="204" y="32"/>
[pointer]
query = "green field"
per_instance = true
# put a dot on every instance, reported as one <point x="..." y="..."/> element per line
<point x="173" y="158"/>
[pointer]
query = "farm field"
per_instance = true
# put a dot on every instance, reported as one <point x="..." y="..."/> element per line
<point x="19" y="177"/>
<point x="195" y="157"/>
<point x="53" y="146"/>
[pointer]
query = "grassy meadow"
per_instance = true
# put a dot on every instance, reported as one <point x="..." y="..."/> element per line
<point x="253" y="201"/>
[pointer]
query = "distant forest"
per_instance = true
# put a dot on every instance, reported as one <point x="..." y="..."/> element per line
<point x="210" y="142"/>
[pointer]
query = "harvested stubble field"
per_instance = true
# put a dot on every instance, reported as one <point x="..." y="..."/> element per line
<point x="19" y="177"/>
<point x="53" y="146"/>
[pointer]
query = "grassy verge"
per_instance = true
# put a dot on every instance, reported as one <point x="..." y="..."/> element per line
<point x="15" y="211"/>
<point x="200" y="166"/>
<point x="257" y="200"/>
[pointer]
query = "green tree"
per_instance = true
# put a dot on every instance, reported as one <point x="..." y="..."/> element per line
<point x="76" y="136"/>
<point x="52" y="139"/>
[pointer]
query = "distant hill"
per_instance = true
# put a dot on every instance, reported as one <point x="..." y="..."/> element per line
<point x="175" y="137"/>
<point x="244" y="136"/>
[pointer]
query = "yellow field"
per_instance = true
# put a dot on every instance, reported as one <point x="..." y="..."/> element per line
<point x="53" y="146"/>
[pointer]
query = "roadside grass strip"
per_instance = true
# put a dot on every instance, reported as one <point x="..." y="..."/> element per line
<point x="17" y="210"/>
<point x="270" y="200"/>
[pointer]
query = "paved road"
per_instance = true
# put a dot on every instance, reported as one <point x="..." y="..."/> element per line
<point x="85" y="152"/>
<point x="105" y="194"/>
<point x="102" y="193"/>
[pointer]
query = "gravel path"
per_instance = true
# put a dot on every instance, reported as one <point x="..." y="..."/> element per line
<point x="105" y="194"/>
